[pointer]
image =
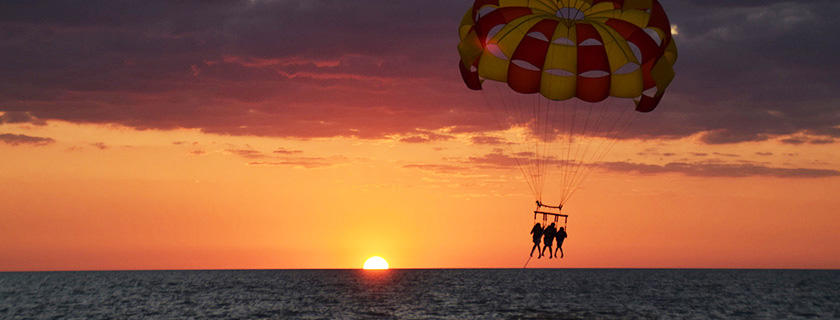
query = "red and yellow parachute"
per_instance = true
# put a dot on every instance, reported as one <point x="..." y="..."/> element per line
<point x="539" y="55"/>
<point x="589" y="49"/>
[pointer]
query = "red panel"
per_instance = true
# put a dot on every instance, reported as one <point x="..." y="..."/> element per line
<point x="533" y="51"/>
<point x="500" y="16"/>
<point x="523" y="80"/>
<point x="590" y="57"/>
<point x="658" y="19"/>
<point x="593" y="89"/>
<point x="470" y="78"/>
<point x="637" y="36"/>
<point x="648" y="104"/>
<point x="624" y="28"/>
<point x="646" y="75"/>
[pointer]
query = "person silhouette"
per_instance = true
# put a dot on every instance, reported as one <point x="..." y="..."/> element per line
<point x="560" y="236"/>
<point x="548" y="238"/>
<point x="537" y="231"/>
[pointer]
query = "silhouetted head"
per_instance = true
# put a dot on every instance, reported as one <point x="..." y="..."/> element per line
<point x="561" y="228"/>
<point x="538" y="225"/>
<point x="552" y="224"/>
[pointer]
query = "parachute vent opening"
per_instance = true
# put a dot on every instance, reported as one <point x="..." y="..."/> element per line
<point x="591" y="42"/>
<point x="496" y="51"/>
<point x="654" y="35"/>
<point x="569" y="13"/>
<point x="493" y="31"/>
<point x="628" y="68"/>
<point x="560" y="72"/>
<point x="485" y="11"/>
<point x="538" y="35"/>
<point x="525" y="65"/>
<point x="594" y="74"/>
<point x="564" y="41"/>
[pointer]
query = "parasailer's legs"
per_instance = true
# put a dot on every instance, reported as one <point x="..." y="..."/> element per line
<point x="559" y="247"/>
<point x="550" y="251"/>
<point x="537" y="247"/>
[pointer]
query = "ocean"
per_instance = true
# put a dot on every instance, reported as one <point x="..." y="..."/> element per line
<point x="422" y="294"/>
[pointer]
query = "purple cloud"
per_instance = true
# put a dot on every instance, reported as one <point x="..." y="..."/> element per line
<point x="20" y="139"/>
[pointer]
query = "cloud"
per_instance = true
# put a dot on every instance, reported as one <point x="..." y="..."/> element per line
<point x="728" y="155"/>
<point x="488" y="140"/>
<point x="306" y="162"/>
<point x="20" y="117"/>
<point x="281" y="157"/>
<point x="440" y="168"/>
<point x="285" y="151"/>
<point x="713" y="169"/>
<point x="426" y="136"/>
<point x="498" y="160"/>
<point x="248" y="153"/>
<point x="799" y="140"/>
<point x="20" y="139"/>
<point x="748" y="70"/>
<point x="100" y="145"/>
<point x="727" y="136"/>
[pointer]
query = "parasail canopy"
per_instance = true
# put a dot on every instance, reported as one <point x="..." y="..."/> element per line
<point x="563" y="73"/>
<point x="562" y="49"/>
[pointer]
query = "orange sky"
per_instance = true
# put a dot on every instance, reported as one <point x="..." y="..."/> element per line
<point x="315" y="134"/>
<point x="108" y="197"/>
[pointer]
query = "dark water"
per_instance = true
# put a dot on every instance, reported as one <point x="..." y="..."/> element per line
<point x="421" y="294"/>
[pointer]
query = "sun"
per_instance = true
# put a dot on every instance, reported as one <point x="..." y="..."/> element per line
<point x="375" y="263"/>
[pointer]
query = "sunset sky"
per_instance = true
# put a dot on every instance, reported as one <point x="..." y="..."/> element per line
<point x="318" y="133"/>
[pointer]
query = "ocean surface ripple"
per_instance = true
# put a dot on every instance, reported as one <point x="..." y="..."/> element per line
<point x="422" y="294"/>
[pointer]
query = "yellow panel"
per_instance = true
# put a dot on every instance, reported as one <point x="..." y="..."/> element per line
<point x="495" y="68"/>
<point x="629" y="85"/>
<point x="510" y="36"/>
<point x="560" y="57"/>
<point x="466" y="24"/>
<point x="558" y="88"/>
<point x="662" y="73"/>
<point x="470" y="48"/>
<point x="636" y="17"/>
<point x="600" y="7"/>
<point x="581" y="5"/>
<point x="618" y="52"/>
<point x="671" y="52"/>
<point x="514" y="3"/>
<point x="543" y="5"/>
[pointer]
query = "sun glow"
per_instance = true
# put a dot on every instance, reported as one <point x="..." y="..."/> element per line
<point x="375" y="263"/>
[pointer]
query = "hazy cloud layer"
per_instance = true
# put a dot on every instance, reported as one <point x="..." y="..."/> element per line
<point x="727" y="165"/>
<point x="20" y="139"/>
<point x="281" y="157"/>
<point x="748" y="70"/>
<point x="712" y="169"/>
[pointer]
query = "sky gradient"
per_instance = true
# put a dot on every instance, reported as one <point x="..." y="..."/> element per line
<point x="315" y="134"/>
